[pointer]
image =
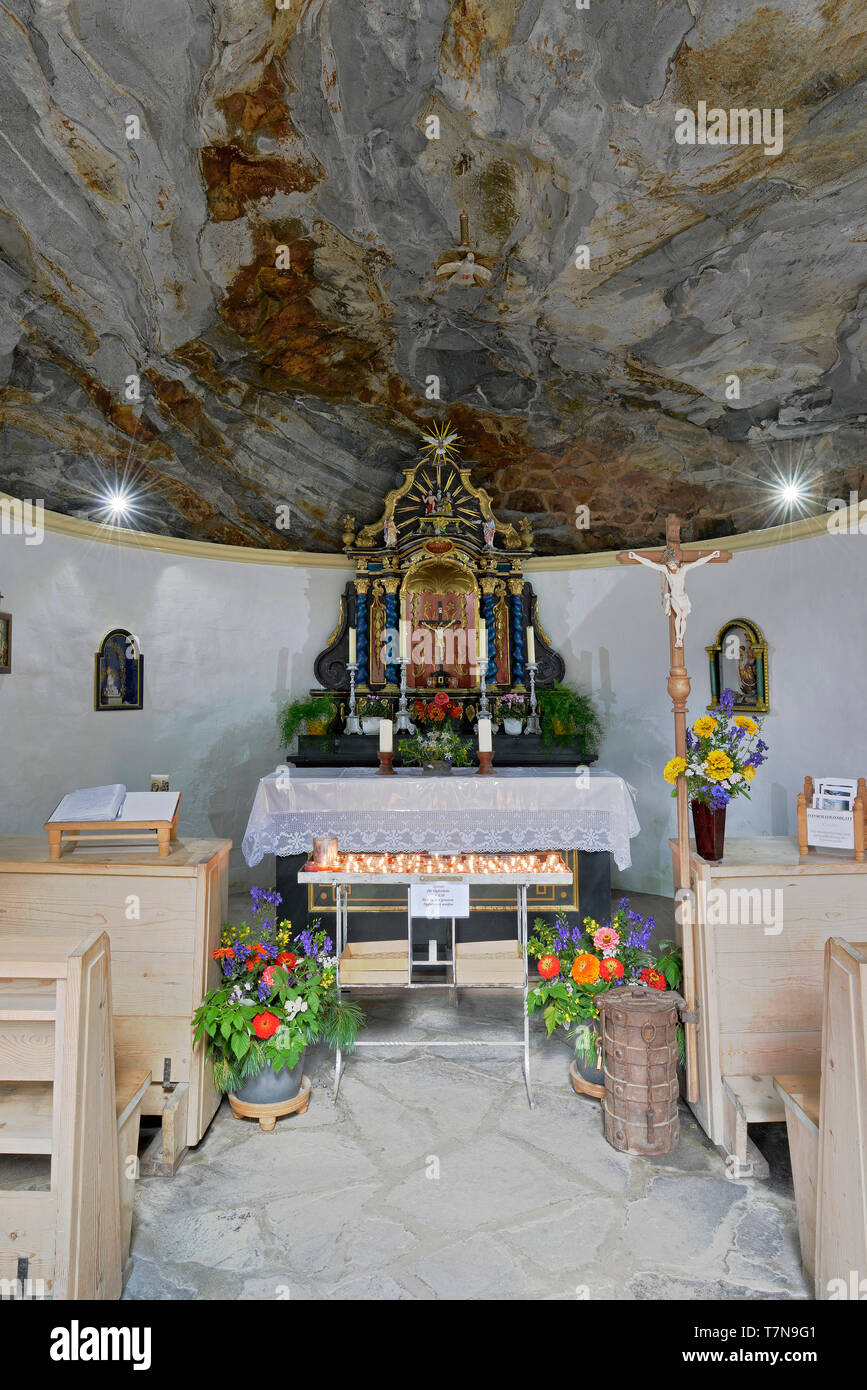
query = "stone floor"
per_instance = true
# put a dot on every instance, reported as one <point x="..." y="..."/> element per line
<point x="430" y="1177"/>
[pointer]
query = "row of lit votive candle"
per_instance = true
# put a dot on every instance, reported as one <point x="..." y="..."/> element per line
<point x="386" y="735"/>
<point x="449" y="864"/>
<point x="439" y="655"/>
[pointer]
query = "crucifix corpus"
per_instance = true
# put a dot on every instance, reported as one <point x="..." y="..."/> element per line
<point x="673" y="564"/>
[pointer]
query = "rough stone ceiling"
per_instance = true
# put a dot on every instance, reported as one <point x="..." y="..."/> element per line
<point x="276" y="400"/>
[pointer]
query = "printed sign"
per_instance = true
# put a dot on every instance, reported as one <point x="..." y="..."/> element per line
<point x="443" y="899"/>
<point x="831" y="829"/>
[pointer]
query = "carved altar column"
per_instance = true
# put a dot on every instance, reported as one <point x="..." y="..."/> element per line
<point x="488" y="587"/>
<point x="392" y="627"/>
<point x="362" y="633"/>
<point x="516" y="608"/>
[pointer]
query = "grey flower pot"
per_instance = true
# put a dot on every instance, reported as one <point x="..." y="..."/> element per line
<point x="270" y="1086"/>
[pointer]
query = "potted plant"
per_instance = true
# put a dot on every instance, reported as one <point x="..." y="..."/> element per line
<point x="578" y="963"/>
<point x="441" y="709"/>
<point x="373" y="709"/>
<point x="511" y="710"/>
<point x="723" y="752"/>
<point x="435" y="751"/>
<point x="569" y="719"/>
<point x="316" y="712"/>
<point x="276" y="997"/>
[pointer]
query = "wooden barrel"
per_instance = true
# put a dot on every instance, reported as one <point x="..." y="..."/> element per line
<point x="639" y="1048"/>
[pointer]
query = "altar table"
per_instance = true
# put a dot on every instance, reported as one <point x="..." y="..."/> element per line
<point x="520" y="808"/>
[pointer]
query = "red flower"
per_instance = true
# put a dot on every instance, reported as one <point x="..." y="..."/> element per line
<point x="225" y="951"/>
<point x="653" y="978"/>
<point x="611" y="969"/>
<point x="549" y="966"/>
<point x="455" y="711"/>
<point x="265" y="1025"/>
<point x="286" y="960"/>
<point x="441" y="698"/>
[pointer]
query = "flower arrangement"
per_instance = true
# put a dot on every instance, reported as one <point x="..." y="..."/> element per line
<point x="374" y="707"/>
<point x="434" y="746"/>
<point x="435" y="711"/>
<point x="723" y="753"/>
<point x="277" y="995"/>
<point x="579" y="963"/>
<point x="511" y="706"/>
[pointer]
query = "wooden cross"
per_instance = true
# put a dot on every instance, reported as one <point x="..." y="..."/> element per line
<point x="671" y="561"/>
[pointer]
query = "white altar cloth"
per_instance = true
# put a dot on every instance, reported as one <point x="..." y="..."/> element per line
<point x="521" y="808"/>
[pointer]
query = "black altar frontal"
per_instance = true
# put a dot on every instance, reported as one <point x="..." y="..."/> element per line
<point x="439" y="565"/>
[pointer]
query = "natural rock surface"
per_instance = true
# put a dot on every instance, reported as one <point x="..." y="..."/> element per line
<point x="278" y="396"/>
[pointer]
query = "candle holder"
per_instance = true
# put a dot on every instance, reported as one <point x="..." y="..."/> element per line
<point x="533" y="725"/>
<point x="353" y="725"/>
<point x="403" y="724"/>
<point x="385" y="768"/>
<point x="484" y="769"/>
<point x="484" y="708"/>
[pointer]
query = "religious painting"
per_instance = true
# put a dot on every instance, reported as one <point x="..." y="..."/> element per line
<point x="5" y="643"/>
<point x="118" y="673"/>
<point x="739" y="662"/>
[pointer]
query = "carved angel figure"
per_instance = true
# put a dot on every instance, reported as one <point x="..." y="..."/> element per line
<point x="464" y="272"/>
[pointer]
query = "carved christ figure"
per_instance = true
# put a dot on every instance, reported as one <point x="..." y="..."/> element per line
<point x="675" y="599"/>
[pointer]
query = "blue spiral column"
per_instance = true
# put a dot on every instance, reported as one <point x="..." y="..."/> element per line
<point x="516" y="605"/>
<point x="362" y="634"/>
<point x="488" y="610"/>
<point x="392" y="627"/>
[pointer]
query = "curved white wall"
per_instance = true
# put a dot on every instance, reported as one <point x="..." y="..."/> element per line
<point x="225" y="643"/>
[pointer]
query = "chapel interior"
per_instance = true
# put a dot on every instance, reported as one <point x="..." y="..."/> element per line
<point x="435" y="433"/>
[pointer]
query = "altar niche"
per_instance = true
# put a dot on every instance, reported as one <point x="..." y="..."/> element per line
<point x="439" y="588"/>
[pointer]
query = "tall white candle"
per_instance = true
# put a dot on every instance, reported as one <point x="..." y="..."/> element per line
<point x="385" y="736"/>
<point x="483" y="643"/>
<point x="404" y="639"/>
<point x="531" y="647"/>
<point x="485" y="744"/>
<point x="353" y="650"/>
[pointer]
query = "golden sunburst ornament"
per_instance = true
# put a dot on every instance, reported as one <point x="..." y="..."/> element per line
<point x="440" y="444"/>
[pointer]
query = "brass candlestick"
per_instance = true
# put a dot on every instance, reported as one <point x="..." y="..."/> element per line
<point x="484" y="769"/>
<point x="385" y="768"/>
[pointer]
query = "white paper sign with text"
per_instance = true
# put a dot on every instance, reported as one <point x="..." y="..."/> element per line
<point x="440" y="899"/>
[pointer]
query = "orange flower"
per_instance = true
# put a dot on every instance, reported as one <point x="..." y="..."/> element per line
<point x="585" y="969"/>
<point x="436" y="714"/>
<point x="227" y="951"/>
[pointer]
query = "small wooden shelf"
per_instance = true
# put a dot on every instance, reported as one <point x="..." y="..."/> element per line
<point x="492" y="963"/>
<point x="375" y="963"/>
<point x="26" y="1117"/>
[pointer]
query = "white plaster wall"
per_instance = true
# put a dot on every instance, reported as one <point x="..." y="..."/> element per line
<point x="225" y="644"/>
<point x="809" y="600"/>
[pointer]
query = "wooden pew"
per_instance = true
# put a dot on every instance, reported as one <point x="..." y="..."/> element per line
<point x="58" y="1097"/>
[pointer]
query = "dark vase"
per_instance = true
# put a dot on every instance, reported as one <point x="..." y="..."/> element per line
<point x="710" y="830"/>
<point x="595" y="1075"/>
<point x="268" y="1086"/>
<point x="437" y="769"/>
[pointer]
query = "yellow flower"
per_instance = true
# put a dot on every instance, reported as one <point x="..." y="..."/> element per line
<point x="718" y="766"/>
<point x="673" y="768"/>
<point x="749" y="772"/>
<point x="704" y="727"/>
<point x="744" y="721"/>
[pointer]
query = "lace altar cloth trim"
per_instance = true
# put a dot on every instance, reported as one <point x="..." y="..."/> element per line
<point x="519" y="809"/>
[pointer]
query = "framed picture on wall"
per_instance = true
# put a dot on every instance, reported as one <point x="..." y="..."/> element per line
<point x="119" y="672"/>
<point x="739" y="662"/>
<point x="5" y="643"/>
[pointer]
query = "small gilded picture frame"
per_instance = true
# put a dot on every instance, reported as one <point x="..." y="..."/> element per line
<point x="118" y="680"/>
<point x="739" y="662"/>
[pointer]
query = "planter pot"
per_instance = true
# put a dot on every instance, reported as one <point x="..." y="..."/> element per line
<point x="438" y="769"/>
<point x="270" y="1087"/>
<point x="593" y="1076"/>
<point x="371" y="726"/>
<point x="710" y="830"/>
<point x="316" y="728"/>
<point x="512" y="726"/>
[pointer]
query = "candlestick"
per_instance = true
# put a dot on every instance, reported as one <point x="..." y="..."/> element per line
<point x="531" y="647"/>
<point x="533" y="726"/>
<point x="353" y="724"/>
<point x="403" y="723"/>
<point x="385" y="736"/>
<point x="484" y="768"/>
<point x="385" y="767"/>
<point x="353" y="648"/>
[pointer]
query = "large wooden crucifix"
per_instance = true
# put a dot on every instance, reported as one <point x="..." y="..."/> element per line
<point x="673" y="564"/>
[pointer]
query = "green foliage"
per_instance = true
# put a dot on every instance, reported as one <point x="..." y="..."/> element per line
<point x="316" y="708"/>
<point x="374" y="707"/>
<point x="434" y="746"/>
<point x="581" y="727"/>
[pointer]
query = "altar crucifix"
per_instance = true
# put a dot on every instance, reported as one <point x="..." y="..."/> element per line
<point x="673" y="564"/>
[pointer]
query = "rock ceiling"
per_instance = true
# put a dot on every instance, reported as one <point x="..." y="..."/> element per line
<point x="274" y="400"/>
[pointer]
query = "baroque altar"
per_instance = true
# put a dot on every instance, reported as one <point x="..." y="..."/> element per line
<point x="439" y="562"/>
